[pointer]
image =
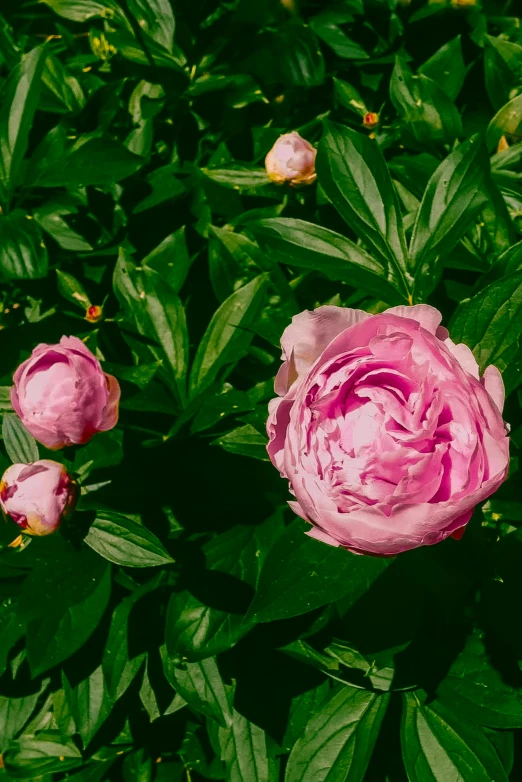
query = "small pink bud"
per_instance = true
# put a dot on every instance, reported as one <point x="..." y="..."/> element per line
<point x="371" y="120"/>
<point x="37" y="496"/>
<point x="292" y="160"/>
<point x="94" y="313"/>
<point x="62" y="395"/>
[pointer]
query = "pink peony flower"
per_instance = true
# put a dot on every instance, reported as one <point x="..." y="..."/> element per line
<point x="62" y="395"/>
<point x="291" y="159"/>
<point x="37" y="496"/>
<point x="384" y="428"/>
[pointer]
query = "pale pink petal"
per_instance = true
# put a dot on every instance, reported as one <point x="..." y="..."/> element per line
<point x="427" y="316"/>
<point x="109" y="414"/>
<point x="324" y="537"/>
<point x="464" y="356"/>
<point x="311" y="332"/>
<point x="494" y="385"/>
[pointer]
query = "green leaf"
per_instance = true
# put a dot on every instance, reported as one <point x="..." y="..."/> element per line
<point x="137" y="767"/>
<point x="92" y="772"/>
<point x="51" y="215"/>
<point x="233" y="261"/>
<point x="302" y="706"/>
<point x="121" y="660"/>
<point x="156" y="19"/>
<point x="348" y="97"/>
<point x="73" y="589"/>
<point x="228" y="335"/>
<point x="104" y="450"/>
<point x="356" y="179"/>
<point x="241" y="551"/>
<point x="165" y="185"/>
<point x="12" y="625"/>
<point x="214" y="409"/>
<point x="380" y="676"/>
<point x="301" y="574"/>
<point x="82" y="10"/>
<point x="300" y="57"/>
<point x="91" y="161"/>
<point x="131" y="49"/>
<point x="306" y="654"/>
<point x="148" y="696"/>
<point x="23" y="255"/>
<point x="503" y="69"/>
<point x="89" y="703"/>
<point x="506" y="122"/>
<point x="32" y="756"/>
<point x="125" y="542"/>
<point x="239" y="178"/>
<point x="19" y="102"/>
<point x="454" y="196"/>
<point x="439" y="745"/>
<point x="446" y="67"/>
<point x="478" y="691"/>
<point x="171" y="260"/>
<point x="245" y="753"/>
<point x="336" y="39"/>
<point x="14" y="713"/>
<point x="491" y="322"/>
<point x="64" y="89"/>
<point x="195" y="631"/>
<point x="201" y="685"/>
<point x="158" y="314"/>
<point x="21" y="446"/>
<point x="244" y="441"/>
<point x="428" y="111"/>
<point x="5" y="399"/>
<point x="309" y="246"/>
<point x="338" y="740"/>
<point x="72" y="290"/>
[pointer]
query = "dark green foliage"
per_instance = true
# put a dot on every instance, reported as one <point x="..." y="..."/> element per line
<point x="181" y="626"/>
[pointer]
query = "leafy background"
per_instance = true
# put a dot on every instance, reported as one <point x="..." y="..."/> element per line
<point x="181" y="626"/>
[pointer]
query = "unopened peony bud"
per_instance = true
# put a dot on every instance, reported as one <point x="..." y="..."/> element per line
<point x="37" y="496"/>
<point x="292" y="160"/>
<point x="62" y="395"/>
<point x="503" y="144"/>
<point x="371" y="120"/>
<point x="94" y="313"/>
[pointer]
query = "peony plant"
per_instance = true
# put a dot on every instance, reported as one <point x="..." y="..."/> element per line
<point x="218" y="562"/>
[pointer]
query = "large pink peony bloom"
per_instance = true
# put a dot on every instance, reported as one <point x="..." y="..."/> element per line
<point x="292" y="160"/>
<point x="385" y="430"/>
<point x="37" y="496"/>
<point x="62" y="395"/>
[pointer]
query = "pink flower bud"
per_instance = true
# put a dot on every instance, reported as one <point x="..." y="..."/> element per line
<point x="94" y="313"/>
<point x="291" y="159"/>
<point x="371" y="120"/>
<point x="62" y="395"/>
<point x="37" y="496"/>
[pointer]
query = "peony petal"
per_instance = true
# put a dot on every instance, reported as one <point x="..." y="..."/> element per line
<point x="427" y="316"/>
<point x="464" y="356"/>
<point x="109" y="415"/>
<point x="324" y="537"/>
<point x="276" y="427"/>
<point x="311" y="332"/>
<point x="494" y="385"/>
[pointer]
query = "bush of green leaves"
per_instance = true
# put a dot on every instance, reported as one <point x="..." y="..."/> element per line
<point x="180" y="626"/>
